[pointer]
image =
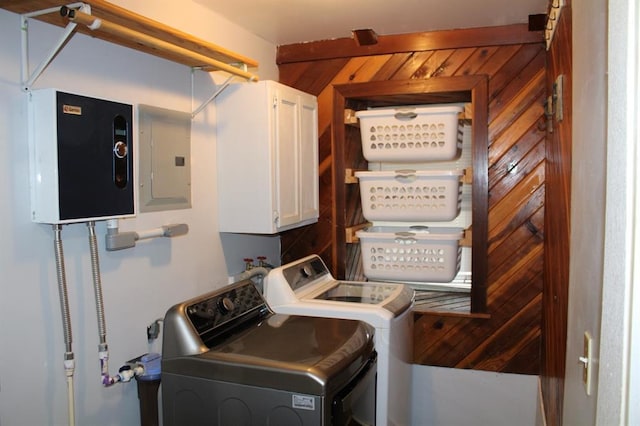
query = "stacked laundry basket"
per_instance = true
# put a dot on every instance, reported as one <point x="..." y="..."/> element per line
<point x="412" y="193"/>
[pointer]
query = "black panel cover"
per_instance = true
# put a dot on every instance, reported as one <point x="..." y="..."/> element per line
<point x="93" y="180"/>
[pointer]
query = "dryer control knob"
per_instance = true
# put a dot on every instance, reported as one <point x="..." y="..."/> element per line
<point x="225" y="305"/>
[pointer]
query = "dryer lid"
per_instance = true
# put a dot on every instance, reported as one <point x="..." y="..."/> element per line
<point x="294" y="353"/>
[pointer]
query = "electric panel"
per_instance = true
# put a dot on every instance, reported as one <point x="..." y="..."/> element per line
<point x="81" y="157"/>
<point x="164" y="159"/>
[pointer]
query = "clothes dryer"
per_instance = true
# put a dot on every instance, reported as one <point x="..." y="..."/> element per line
<point x="229" y="360"/>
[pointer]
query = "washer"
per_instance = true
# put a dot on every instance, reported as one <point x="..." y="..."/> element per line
<point x="306" y="287"/>
<point x="229" y="360"/>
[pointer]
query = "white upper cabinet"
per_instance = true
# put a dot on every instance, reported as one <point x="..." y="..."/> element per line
<point x="267" y="148"/>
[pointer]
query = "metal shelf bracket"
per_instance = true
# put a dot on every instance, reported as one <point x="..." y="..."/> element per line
<point x="80" y="13"/>
<point x="219" y="89"/>
<point x="27" y="78"/>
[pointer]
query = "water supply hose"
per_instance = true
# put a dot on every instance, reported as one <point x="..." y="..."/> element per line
<point x="259" y="271"/>
<point x="69" y="362"/>
<point x="97" y="284"/>
<point x="70" y="398"/>
<point x="103" y="348"/>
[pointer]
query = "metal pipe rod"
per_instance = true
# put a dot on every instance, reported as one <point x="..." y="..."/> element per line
<point x="97" y="24"/>
<point x="56" y="9"/>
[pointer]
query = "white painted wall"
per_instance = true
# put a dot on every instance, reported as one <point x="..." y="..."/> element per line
<point x="604" y="213"/>
<point x="618" y="393"/>
<point x="587" y="201"/>
<point x="455" y="397"/>
<point x="139" y="284"/>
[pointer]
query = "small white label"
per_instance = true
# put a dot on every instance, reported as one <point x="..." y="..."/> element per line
<point x="303" y="402"/>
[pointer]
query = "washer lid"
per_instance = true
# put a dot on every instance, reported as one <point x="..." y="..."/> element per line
<point x="308" y="279"/>
<point x="394" y="297"/>
<point x="293" y="353"/>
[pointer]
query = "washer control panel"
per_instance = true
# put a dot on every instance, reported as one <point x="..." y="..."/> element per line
<point x="217" y="312"/>
<point x="300" y="274"/>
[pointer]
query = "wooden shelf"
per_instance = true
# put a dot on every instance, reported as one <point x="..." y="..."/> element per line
<point x="467" y="240"/>
<point x="350" y="232"/>
<point x="126" y="28"/>
<point x="350" y="176"/>
<point x="350" y="118"/>
<point x="468" y="176"/>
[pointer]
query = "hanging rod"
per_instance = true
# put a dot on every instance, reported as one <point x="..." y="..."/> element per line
<point x="120" y="31"/>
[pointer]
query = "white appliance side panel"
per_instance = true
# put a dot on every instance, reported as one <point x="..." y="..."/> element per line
<point x="245" y="158"/>
<point x="43" y="147"/>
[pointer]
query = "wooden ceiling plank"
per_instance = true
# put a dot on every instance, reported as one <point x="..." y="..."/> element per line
<point x="478" y="59"/>
<point x="415" y="42"/>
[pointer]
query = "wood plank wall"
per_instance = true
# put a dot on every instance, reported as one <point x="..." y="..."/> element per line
<point x="513" y="58"/>
<point x="556" y="280"/>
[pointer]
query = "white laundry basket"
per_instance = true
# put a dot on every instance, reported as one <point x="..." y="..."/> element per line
<point x="416" y="254"/>
<point x="411" y="134"/>
<point x="410" y="195"/>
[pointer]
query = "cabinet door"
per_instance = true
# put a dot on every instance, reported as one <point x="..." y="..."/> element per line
<point x="287" y="140"/>
<point x="267" y="158"/>
<point x="309" y="158"/>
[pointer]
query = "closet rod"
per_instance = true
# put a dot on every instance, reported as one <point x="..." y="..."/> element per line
<point x="97" y="24"/>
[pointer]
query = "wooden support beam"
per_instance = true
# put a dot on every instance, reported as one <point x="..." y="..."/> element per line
<point x="417" y="42"/>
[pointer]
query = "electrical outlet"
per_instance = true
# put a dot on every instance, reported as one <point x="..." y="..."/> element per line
<point x="587" y="360"/>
